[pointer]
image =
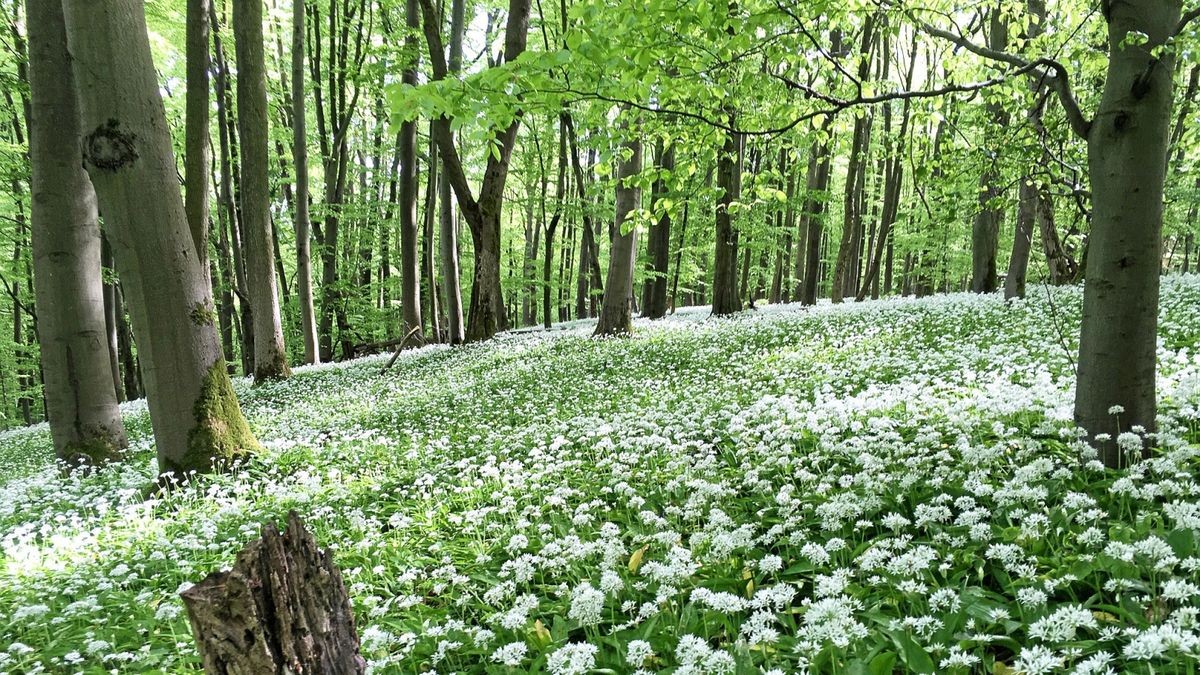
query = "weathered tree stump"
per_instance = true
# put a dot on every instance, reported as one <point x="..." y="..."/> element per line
<point x="282" y="609"/>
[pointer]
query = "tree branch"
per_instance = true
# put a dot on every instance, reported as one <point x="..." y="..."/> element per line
<point x="1053" y="73"/>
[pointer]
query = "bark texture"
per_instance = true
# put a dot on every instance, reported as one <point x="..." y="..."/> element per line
<point x="616" y="310"/>
<point x="1127" y="150"/>
<point x="282" y="609"/>
<point x="725" y="283"/>
<point x="78" y="368"/>
<point x="654" y="298"/>
<point x="270" y="356"/>
<point x="127" y="152"/>
<point x="303" y="224"/>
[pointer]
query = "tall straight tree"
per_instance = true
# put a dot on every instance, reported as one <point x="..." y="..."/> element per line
<point x="303" y="225"/>
<point x="410" y="269"/>
<point x="270" y="356"/>
<point x="127" y="152"/>
<point x="985" y="231"/>
<point x="487" y="315"/>
<point x="196" y="138"/>
<point x="654" y="297"/>
<point x="616" y="309"/>
<point x="447" y="219"/>
<point x="729" y="178"/>
<point x="77" y="370"/>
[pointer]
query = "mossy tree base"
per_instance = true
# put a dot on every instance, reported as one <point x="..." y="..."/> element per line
<point x="220" y="434"/>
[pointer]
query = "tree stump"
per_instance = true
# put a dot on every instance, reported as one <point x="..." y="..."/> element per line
<point x="282" y="609"/>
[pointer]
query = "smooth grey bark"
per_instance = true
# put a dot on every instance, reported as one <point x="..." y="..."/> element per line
<point x="77" y="364"/>
<point x="1018" y="261"/>
<point x="1127" y="150"/>
<point x="812" y="218"/>
<point x="196" y="141"/>
<point x="410" y="270"/>
<point x="270" y="355"/>
<point x="127" y="151"/>
<point x="725" y="282"/>
<point x="303" y="223"/>
<point x="654" y="298"/>
<point x="985" y="231"/>
<point x="448" y="220"/>
<point x="616" y="309"/>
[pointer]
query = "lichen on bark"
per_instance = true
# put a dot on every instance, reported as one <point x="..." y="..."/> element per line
<point x="220" y="433"/>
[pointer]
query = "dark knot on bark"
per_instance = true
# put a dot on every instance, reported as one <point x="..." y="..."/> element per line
<point x="109" y="148"/>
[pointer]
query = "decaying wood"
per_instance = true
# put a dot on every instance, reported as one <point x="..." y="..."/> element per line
<point x="282" y="609"/>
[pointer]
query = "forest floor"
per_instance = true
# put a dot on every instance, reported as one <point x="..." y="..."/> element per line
<point x="865" y="488"/>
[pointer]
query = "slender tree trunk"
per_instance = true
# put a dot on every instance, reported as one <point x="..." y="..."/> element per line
<point x="616" y="312"/>
<point x="308" y="322"/>
<point x="559" y="197"/>
<point x="1127" y="149"/>
<point x="127" y="152"/>
<point x="654" y="299"/>
<point x="230" y="196"/>
<point x="270" y="355"/>
<point x="812" y="220"/>
<point x="196" y="139"/>
<point x="985" y="232"/>
<point x="110" y="311"/>
<point x="81" y="401"/>
<point x="725" y="283"/>
<point x="427" y="218"/>
<point x="410" y="269"/>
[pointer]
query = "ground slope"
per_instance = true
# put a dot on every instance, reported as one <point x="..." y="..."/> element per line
<point x="873" y="487"/>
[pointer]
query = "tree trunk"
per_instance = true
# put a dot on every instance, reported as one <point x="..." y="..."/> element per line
<point x="616" y="311"/>
<point x="283" y="608"/>
<point x="196" y="137"/>
<point x="559" y="197"/>
<point x="410" y="269"/>
<point x="654" y="299"/>
<point x="270" y="355"/>
<point x="110" y="310"/>
<point x="77" y="371"/>
<point x="1127" y="149"/>
<point x="725" y="282"/>
<point x="985" y="231"/>
<point x="1018" y="263"/>
<point x="812" y="219"/>
<point x="428" y="271"/>
<point x="487" y="314"/>
<point x="308" y="321"/>
<point x="230" y="196"/>
<point x="448" y="226"/>
<point x="193" y="409"/>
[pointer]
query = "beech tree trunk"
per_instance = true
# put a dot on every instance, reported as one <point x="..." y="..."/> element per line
<point x="812" y="220"/>
<point x="77" y="368"/>
<point x="448" y="221"/>
<point x="1127" y="150"/>
<point x="270" y="356"/>
<point x="127" y="151"/>
<point x="725" y="282"/>
<point x="654" y="300"/>
<point x="616" y="310"/>
<point x="308" y="313"/>
<point x="410" y="269"/>
<point x="196" y="140"/>
<point x="282" y="609"/>
<point x="487" y="314"/>
<point x="985" y="231"/>
<point x="552" y="226"/>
